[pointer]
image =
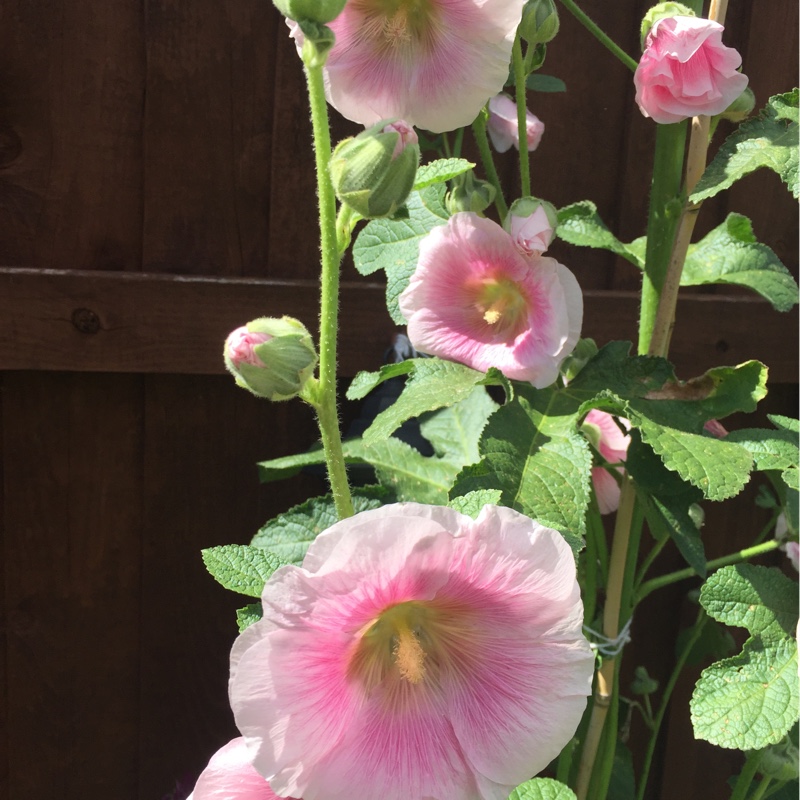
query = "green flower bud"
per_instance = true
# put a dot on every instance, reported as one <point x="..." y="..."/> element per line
<point x="661" y="11"/>
<point x="584" y="352"/>
<point x="322" y="11"/>
<point x="642" y="682"/>
<point x="373" y="173"/>
<point x="270" y="357"/>
<point x="779" y="761"/>
<point x="540" y="22"/>
<point x="468" y="193"/>
<point x="741" y="107"/>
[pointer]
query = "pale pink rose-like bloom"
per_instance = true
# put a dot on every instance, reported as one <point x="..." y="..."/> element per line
<point x="417" y="653"/>
<point x="240" y="345"/>
<point x="503" y="127"/>
<point x="433" y="63"/>
<point x="686" y="70"/>
<point x="612" y="444"/>
<point x="476" y="299"/>
<point x="230" y="776"/>
<point x="531" y="234"/>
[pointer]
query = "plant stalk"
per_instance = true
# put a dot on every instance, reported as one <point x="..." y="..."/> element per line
<point x="326" y="402"/>
<point x="522" y="113"/>
<point x="482" y="140"/>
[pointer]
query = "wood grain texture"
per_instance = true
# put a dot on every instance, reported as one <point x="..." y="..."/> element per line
<point x="72" y="518"/>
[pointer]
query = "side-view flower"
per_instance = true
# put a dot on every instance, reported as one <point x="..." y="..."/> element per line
<point x="503" y="128"/>
<point x="476" y="298"/>
<point x="686" y="70"/>
<point x="611" y="442"/>
<point x="433" y="63"/>
<point x="417" y="653"/>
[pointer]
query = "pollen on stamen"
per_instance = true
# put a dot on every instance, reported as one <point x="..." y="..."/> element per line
<point x="492" y="316"/>
<point x="409" y="657"/>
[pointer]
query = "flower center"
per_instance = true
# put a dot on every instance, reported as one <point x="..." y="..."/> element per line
<point x="397" y="642"/>
<point x="397" y="25"/>
<point x="501" y="305"/>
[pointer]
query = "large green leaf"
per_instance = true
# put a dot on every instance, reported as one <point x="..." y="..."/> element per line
<point x="241" y="568"/>
<point x="441" y="170"/>
<point x="768" y="140"/>
<point x="542" y="789"/>
<point x="580" y="224"/>
<point x="730" y="254"/>
<point x="393" y="244"/>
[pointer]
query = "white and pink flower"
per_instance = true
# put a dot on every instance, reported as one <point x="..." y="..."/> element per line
<point x="686" y="70"/>
<point x="611" y="441"/>
<point x="433" y="63"/>
<point x="417" y="653"/>
<point x="230" y="776"/>
<point x="503" y="127"/>
<point x="477" y="299"/>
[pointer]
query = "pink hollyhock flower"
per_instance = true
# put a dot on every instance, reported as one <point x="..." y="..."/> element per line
<point x="612" y="444"/>
<point x="230" y="776"/>
<point x="417" y="653"/>
<point x="434" y="63"/>
<point x="532" y="225"/>
<point x="792" y="550"/>
<point x="503" y="127"/>
<point x="475" y="298"/>
<point x="685" y="70"/>
<point x="240" y="346"/>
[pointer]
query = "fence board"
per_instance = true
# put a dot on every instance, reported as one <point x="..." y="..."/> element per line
<point x="72" y="563"/>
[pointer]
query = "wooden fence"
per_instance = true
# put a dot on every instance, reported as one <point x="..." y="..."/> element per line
<point x="154" y="185"/>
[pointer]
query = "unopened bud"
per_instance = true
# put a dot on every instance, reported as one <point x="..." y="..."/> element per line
<point x="779" y="761"/>
<point x="532" y="224"/>
<point x="373" y="173"/>
<point x="741" y="107"/>
<point x="662" y="11"/>
<point x="469" y="193"/>
<point x="540" y="22"/>
<point x="270" y="357"/>
<point x="322" y="11"/>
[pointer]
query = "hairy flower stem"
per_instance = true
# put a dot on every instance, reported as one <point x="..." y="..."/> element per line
<point x="682" y="574"/>
<point x="325" y="401"/>
<point x="522" y="116"/>
<point x="601" y="37"/>
<point x="603" y="693"/>
<point x="482" y="140"/>
<point x="664" y="214"/>
<point x="697" y="629"/>
<point x="746" y="775"/>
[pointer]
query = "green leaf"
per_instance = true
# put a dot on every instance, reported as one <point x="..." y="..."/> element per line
<point x="730" y="254"/>
<point x="770" y="449"/>
<point x="241" y="568"/>
<point x="715" y="642"/>
<point x="454" y="432"/>
<point x="472" y="502"/>
<point x="443" y="169"/>
<point x="751" y="700"/>
<point x="540" y="463"/>
<point x="542" y="789"/>
<point x="393" y="244"/>
<point x="785" y="423"/>
<point x="545" y="83"/>
<point x="757" y="598"/>
<point x="246" y="616"/>
<point x="365" y="382"/>
<point x="288" y="535"/>
<point x="433" y="384"/>
<point x="580" y="224"/>
<point x="768" y="140"/>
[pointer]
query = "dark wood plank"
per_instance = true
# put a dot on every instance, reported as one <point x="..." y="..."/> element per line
<point x="70" y="134"/>
<point x="72" y="453"/>
<point x="170" y="324"/>
<point x="204" y="436"/>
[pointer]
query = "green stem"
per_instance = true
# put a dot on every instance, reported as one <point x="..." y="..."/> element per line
<point x="601" y="37"/>
<point x="648" y="560"/>
<point x="325" y="405"/>
<point x="682" y="574"/>
<point x="522" y="115"/>
<point x="762" y="787"/>
<point x="482" y="140"/>
<point x="662" y="223"/>
<point x="746" y="776"/>
<point x="668" y="689"/>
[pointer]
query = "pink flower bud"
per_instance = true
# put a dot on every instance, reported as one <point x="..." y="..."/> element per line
<point x="503" y="128"/>
<point x="715" y="428"/>
<point x="532" y="225"/>
<point x="241" y="346"/>
<point x="685" y="70"/>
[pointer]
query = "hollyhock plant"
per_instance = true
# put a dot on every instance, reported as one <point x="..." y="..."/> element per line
<point x="685" y="70"/>
<point x="477" y="299"/>
<point x="433" y="63"/>
<point x="230" y="776"/>
<point x="503" y="127"/>
<point x="612" y="443"/>
<point x="399" y="659"/>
